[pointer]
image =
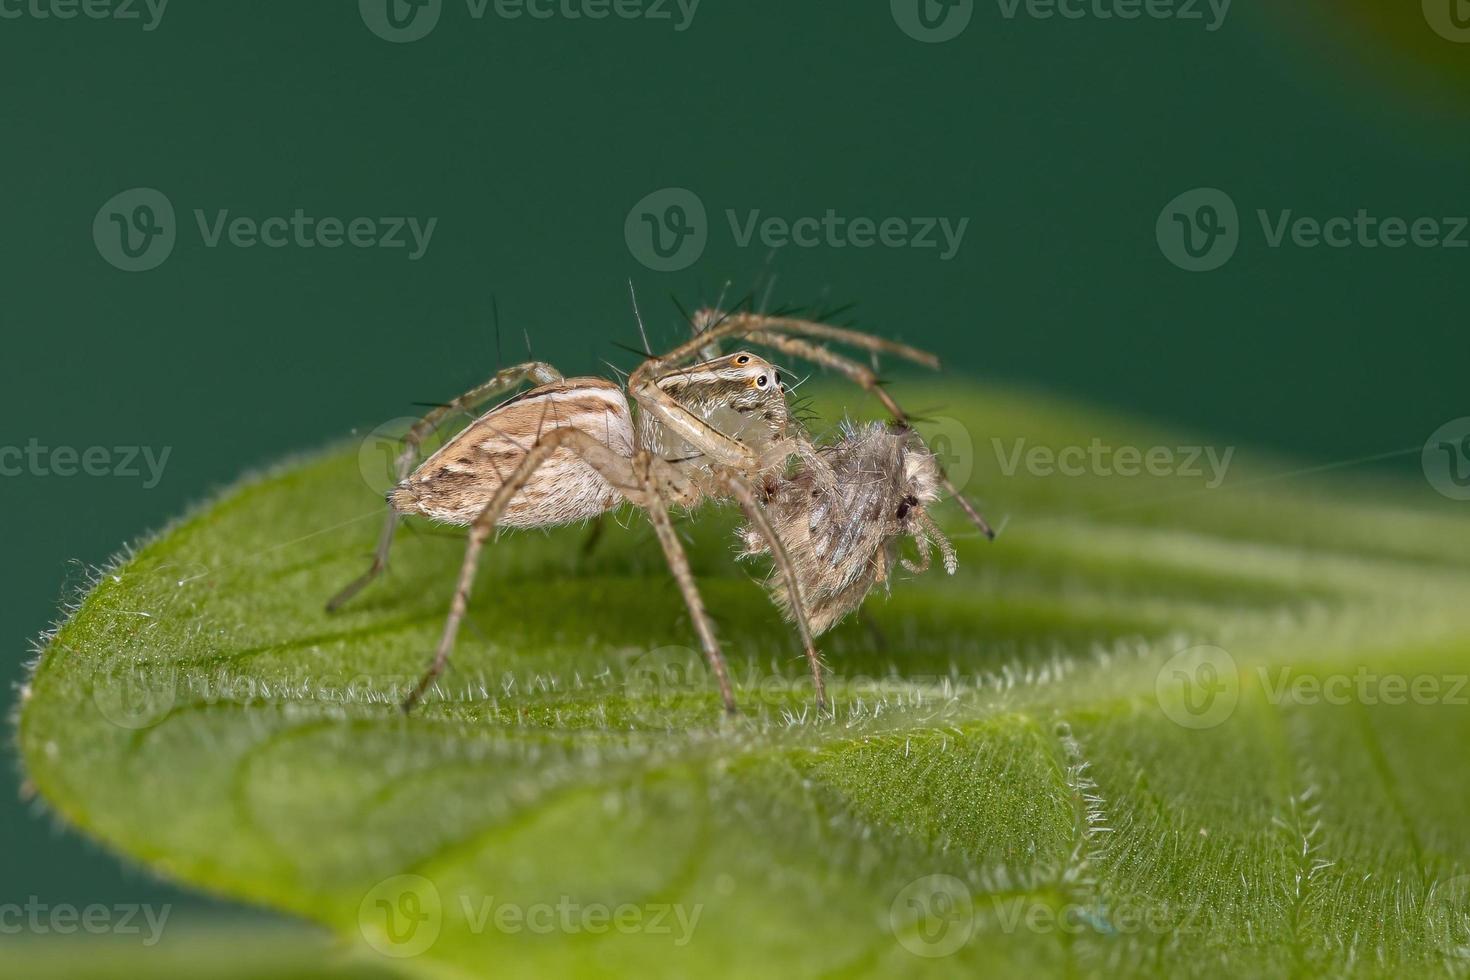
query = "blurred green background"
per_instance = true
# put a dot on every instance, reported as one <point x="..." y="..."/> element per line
<point x="529" y="140"/>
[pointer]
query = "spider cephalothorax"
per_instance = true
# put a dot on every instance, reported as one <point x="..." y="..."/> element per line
<point x="740" y="395"/>
<point x="842" y="529"/>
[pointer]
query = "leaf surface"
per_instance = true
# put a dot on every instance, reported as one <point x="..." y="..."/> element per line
<point x="1095" y="749"/>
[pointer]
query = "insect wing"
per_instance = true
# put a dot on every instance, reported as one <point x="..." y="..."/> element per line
<point x="848" y="520"/>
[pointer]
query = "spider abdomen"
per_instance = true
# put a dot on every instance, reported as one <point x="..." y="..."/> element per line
<point x="456" y="483"/>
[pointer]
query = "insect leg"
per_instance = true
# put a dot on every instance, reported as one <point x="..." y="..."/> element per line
<point x="503" y="381"/>
<point x="743" y="495"/>
<point x="926" y="552"/>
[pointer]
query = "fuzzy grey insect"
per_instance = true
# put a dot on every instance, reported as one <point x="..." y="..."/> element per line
<point x="718" y="429"/>
<point x="842" y="526"/>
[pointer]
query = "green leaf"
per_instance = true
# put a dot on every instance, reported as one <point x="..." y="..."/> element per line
<point x="234" y="953"/>
<point x="1095" y="749"/>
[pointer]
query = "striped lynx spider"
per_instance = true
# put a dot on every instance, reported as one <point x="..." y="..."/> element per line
<point x="709" y="427"/>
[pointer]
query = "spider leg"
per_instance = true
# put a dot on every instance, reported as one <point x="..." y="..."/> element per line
<point x="698" y="324"/>
<point x="719" y="448"/>
<point x="594" y="535"/>
<point x="679" y="565"/>
<point x="616" y="469"/>
<point x="501" y="382"/>
<point x="865" y="378"/>
<point x="711" y="326"/>
<point x="743" y="495"/>
<point x="650" y="490"/>
<point x="746" y="323"/>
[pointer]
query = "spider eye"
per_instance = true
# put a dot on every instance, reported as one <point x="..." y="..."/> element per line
<point x="762" y="381"/>
<point x="743" y="359"/>
<point x="903" y="510"/>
